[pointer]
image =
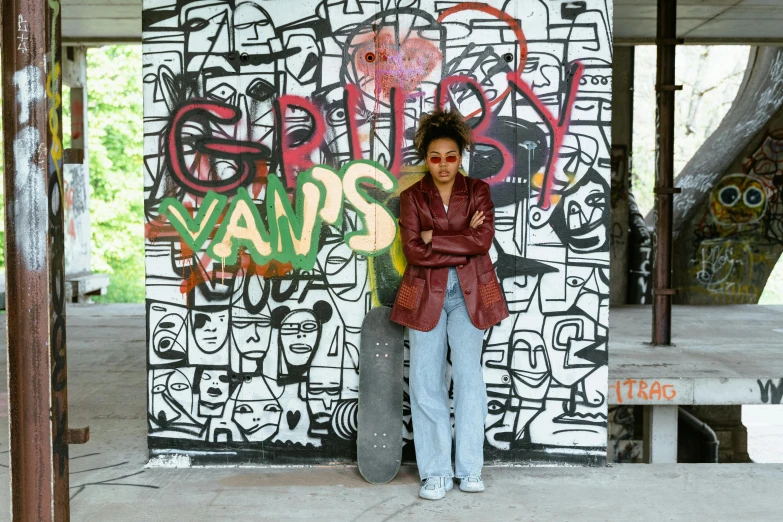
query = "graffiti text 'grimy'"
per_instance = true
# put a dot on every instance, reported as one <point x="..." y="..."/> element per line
<point x="292" y="234"/>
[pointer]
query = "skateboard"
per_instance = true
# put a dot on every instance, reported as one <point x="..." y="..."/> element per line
<point x="379" y="442"/>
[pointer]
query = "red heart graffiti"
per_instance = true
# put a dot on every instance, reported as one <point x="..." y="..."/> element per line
<point x="389" y="64"/>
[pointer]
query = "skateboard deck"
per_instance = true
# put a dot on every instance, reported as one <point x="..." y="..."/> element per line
<point x="379" y="441"/>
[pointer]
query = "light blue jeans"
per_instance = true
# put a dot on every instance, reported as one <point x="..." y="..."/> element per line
<point x="430" y="391"/>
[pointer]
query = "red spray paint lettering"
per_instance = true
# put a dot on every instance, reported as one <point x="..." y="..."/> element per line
<point x="557" y="126"/>
<point x="296" y="156"/>
<point x="483" y="125"/>
<point x="198" y="177"/>
<point x="351" y="101"/>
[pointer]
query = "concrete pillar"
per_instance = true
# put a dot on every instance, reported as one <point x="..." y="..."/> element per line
<point x="622" y="142"/>
<point x="76" y="176"/>
<point x="660" y="434"/>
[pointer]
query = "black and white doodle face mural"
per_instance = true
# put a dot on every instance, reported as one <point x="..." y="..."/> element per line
<point x="277" y="142"/>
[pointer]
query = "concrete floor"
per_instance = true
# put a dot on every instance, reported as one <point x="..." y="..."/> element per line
<point x="736" y="341"/>
<point x="109" y="482"/>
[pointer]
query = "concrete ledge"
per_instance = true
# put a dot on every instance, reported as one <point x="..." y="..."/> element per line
<point x="630" y="391"/>
<point x="721" y="355"/>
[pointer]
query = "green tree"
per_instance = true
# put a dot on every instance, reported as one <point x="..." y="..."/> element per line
<point x="115" y="138"/>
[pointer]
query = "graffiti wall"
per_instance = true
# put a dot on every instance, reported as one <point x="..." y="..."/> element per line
<point x="737" y="237"/>
<point x="278" y="137"/>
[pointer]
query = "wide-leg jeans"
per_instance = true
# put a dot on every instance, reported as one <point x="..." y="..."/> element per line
<point x="429" y="391"/>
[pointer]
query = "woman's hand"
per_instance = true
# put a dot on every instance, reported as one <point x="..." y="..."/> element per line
<point x="477" y="219"/>
<point x="426" y="236"/>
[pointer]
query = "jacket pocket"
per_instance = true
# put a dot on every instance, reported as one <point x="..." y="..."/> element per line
<point x="409" y="294"/>
<point x="489" y="289"/>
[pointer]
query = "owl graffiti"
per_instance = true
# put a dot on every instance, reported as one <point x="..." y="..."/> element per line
<point x="738" y="199"/>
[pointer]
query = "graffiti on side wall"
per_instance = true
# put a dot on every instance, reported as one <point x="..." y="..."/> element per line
<point x="741" y="227"/>
<point x="770" y="391"/>
<point x="278" y="137"/>
<point x="622" y="446"/>
<point x="76" y="218"/>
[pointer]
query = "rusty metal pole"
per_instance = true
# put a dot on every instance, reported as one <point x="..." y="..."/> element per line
<point x="34" y="257"/>
<point x="664" y="175"/>
<point x="62" y="436"/>
<point x="25" y="128"/>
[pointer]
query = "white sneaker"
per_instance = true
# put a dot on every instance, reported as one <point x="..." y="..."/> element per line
<point x="435" y="488"/>
<point x="472" y="484"/>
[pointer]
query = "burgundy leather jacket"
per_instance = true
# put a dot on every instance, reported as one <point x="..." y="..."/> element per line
<point x="423" y="289"/>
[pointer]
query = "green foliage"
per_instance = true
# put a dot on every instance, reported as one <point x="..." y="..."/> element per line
<point x="115" y="116"/>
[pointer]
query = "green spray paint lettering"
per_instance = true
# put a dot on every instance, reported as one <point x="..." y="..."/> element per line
<point x="293" y="231"/>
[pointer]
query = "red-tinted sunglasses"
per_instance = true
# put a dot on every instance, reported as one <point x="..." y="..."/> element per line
<point x="436" y="159"/>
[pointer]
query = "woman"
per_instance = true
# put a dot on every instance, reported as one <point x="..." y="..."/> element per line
<point x="449" y="295"/>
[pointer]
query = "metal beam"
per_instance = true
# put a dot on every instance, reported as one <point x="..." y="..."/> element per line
<point x="34" y="261"/>
<point x="664" y="172"/>
<point x="62" y="436"/>
<point x="25" y="128"/>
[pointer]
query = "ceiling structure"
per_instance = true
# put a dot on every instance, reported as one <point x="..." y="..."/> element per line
<point x="703" y="21"/>
<point x="101" y="21"/>
<point x="698" y="21"/>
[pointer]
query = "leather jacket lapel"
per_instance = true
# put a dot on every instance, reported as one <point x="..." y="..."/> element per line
<point x="436" y="209"/>
<point x="457" y="201"/>
<point x="459" y="196"/>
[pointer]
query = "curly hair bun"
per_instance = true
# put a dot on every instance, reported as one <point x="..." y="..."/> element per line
<point x="442" y="124"/>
